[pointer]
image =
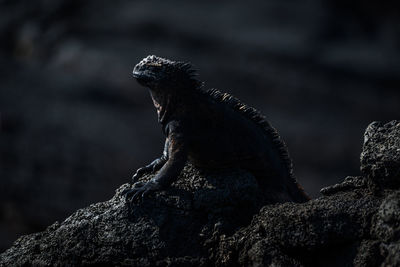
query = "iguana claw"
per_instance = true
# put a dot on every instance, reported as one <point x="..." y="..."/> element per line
<point x="140" y="172"/>
<point x="140" y="190"/>
<point x="152" y="167"/>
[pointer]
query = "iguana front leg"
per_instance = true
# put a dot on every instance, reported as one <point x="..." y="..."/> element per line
<point x="169" y="172"/>
<point x="154" y="165"/>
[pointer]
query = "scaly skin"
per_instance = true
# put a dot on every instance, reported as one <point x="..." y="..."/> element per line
<point x="212" y="130"/>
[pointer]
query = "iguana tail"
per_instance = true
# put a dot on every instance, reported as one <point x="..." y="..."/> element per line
<point x="297" y="192"/>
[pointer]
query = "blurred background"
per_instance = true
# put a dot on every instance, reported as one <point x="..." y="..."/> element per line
<point x="75" y="125"/>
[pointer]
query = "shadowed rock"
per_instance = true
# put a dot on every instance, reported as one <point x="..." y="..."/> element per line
<point x="348" y="226"/>
<point x="380" y="159"/>
<point x="214" y="218"/>
<point x="178" y="226"/>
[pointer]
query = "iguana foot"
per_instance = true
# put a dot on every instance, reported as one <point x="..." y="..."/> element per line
<point x="140" y="190"/>
<point x="151" y="168"/>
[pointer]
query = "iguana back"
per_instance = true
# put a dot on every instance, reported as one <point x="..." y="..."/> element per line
<point x="224" y="132"/>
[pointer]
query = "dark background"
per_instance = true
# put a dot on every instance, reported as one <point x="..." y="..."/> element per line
<point x="75" y="125"/>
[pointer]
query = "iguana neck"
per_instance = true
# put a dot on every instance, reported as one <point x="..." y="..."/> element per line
<point x="172" y="104"/>
<point x="163" y="105"/>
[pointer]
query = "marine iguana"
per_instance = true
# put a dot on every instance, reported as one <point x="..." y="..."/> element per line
<point x="211" y="129"/>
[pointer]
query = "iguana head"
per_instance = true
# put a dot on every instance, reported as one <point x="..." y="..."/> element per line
<point x="160" y="73"/>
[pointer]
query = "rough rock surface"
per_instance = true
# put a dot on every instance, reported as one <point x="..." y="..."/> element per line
<point x="206" y="218"/>
<point x="380" y="159"/>
<point x="178" y="226"/>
